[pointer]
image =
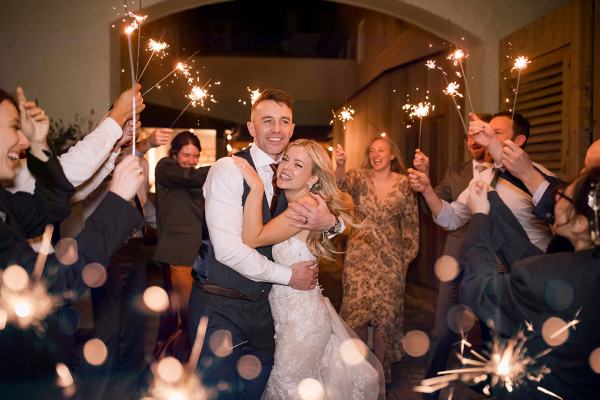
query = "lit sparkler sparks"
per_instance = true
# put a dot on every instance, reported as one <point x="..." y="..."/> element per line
<point x="452" y="90"/>
<point x="254" y="94"/>
<point x="506" y="367"/>
<point x="197" y="95"/>
<point x="457" y="56"/>
<point x="173" y="380"/>
<point x="156" y="47"/>
<point x="345" y="115"/>
<point x="24" y="300"/>
<point x="180" y="67"/>
<point x="138" y="20"/>
<point x="520" y="64"/>
<point x="419" y="110"/>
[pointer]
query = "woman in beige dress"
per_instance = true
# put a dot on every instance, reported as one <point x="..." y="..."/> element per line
<point x="378" y="254"/>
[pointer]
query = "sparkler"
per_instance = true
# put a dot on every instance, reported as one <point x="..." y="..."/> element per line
<point x="172" y="380"/>
<point x="180" y="66"/>
<point x="128" y="31"/>
<point x="520" y="64"/>
<point x="451" y="89"/>
<point x="138" y="20"/>
<point x="24" y="301"/>
<point x="456" y="57"/>
<point x="156" y="48"/>
<point x="197" y="95"/>
<point x="346" y="115"/>
<point x="506" y="367"/>
<point x="419" y="110"/>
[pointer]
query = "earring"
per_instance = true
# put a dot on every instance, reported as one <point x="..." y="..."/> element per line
<point x="309" y="186"/>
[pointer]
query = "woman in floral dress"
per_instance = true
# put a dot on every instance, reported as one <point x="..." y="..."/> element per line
<point x="378" y="255"/>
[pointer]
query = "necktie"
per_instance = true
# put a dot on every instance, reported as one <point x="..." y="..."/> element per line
<point x="494" y="181"/>
<point x="276" y="190"/>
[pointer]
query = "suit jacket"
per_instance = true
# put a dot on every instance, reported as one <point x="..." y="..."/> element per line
<point x="455" y="180"/>
<point x="180" y="212"/>
<point x="536" y="288"/>
<point x="24" y="354"/>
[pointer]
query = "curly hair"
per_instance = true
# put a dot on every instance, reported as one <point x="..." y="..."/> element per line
<point x="340" y="204"/>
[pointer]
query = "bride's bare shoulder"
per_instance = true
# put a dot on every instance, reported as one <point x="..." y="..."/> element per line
<point x="307" y="200"/>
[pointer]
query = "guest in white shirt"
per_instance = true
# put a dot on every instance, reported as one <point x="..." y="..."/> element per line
<point x="500" y="131"/>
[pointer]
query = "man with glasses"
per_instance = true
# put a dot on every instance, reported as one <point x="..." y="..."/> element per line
<point x="232" y="284"/>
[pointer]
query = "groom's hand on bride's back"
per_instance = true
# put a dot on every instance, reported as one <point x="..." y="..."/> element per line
<point x="304" y="275"/>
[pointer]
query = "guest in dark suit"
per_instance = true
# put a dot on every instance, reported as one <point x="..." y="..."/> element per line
<point x="28" y="360"/>
<point x="525" y="292"/>
<point x="180" y="217"/>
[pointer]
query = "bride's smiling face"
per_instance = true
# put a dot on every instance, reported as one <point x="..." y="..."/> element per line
<point x="295" y="169"/>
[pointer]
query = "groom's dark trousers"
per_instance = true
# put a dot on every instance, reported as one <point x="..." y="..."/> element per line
<point x="251" y="327"/>
<point x="239" y="346"/>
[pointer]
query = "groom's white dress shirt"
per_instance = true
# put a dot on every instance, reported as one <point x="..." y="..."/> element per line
<point x="224" y="214"/>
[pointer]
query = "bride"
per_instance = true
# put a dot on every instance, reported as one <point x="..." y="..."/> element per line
<point x="315" y="351"/>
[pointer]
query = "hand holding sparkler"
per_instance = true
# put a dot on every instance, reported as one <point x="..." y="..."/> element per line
<point x="122" y="110"/>
<point x="477" y="200"/>
<point x="127" y="178"/>
<point x="127" y="135"/>
<point x="158" y="137"/>
<point x="484" y="135"/>
<point x="421" y="162"/>
<point x="340" y="156"/>
<point x="517" y="162"/>
<point x="418" y="181"/>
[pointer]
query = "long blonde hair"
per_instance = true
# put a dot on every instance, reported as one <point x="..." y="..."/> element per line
<point x="396" y="165"/>
<point x="340" y="204"/>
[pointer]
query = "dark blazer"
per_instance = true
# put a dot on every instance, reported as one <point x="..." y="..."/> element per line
<point x="536" y="288"/>
<point x="180" y="212"/>
<point x="455" y="180"/>
<point x="27" y="359"/>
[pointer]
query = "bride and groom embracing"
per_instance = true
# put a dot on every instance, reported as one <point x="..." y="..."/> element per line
<point x="259" y="287"/>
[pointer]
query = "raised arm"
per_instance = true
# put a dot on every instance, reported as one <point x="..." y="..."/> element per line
<point x="255" y="234"/>
<point x="170" y="174"/>
<point x="418" y="179"/>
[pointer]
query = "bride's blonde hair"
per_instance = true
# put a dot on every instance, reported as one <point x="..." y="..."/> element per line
<point x="340" y="204"/>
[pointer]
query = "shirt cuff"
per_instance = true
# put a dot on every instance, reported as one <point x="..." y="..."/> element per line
<point x="113" y="127"/>
<point x="281" y="274"/>
<point x="539" y="192"/>
<point x="443" y="218"/>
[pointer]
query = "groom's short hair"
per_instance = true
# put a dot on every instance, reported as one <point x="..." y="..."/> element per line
<point x="279" y="96"/>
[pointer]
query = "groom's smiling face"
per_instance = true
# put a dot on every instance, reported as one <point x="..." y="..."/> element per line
<point x="271" y="127"/>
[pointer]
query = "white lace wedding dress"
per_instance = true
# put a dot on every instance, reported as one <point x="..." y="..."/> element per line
<point x="309" y="335"/>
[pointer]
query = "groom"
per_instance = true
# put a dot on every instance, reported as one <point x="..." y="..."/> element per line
<point x="232" y="286"/>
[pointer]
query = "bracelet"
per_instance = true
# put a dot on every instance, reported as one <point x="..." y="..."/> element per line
<point x="335" y="228"/>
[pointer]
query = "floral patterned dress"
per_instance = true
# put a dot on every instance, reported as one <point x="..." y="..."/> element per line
<point x="377" y="259"/>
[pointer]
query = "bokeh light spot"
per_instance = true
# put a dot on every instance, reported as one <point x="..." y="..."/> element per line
<point x="249" y="367"/>
<point x="353" y="351"/>
<point x="170" y="370"/>
<point x="94" y="275"/>
<point x="595" y="360"/>
<point x="460" y="319"/>
<point x="66" y="251"/>
<point x="156" y="299"/>
<point x="446" y="268"/>
<point x="559" y="295"/>
<point x="95" y="352"/>
<point x="310" y="389"/>
<point x="416" y="343"/>
<point x="220" y="343"/>
<point x="554" y="332"/>
<point x="15" y="278"/>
